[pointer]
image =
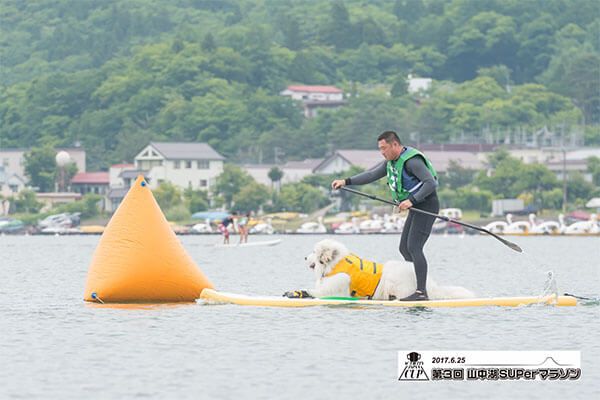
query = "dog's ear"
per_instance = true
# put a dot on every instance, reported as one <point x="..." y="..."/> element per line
<point x="325" y="256"/>
<point x="328" y="255"/>
<point x="334" y="254"/>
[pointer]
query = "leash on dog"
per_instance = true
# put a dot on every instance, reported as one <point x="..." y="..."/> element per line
<point x="510" y="244"/>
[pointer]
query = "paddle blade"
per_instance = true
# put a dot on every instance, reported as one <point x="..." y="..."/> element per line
<point x="512" y="245"/>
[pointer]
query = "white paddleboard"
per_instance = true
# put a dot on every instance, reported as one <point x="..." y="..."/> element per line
<point x="211" y="296"/>
<point x="273" y="242"/>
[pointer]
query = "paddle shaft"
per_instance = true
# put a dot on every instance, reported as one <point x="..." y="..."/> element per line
<point x="442" y="217"/>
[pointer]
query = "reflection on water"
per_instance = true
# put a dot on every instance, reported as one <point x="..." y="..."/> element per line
<point x="56" y="346"/>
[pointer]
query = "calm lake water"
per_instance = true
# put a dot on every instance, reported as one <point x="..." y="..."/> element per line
<point x="54" y="346"/>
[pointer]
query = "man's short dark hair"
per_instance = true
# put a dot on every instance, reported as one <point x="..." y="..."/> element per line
<point x="389" y="137"/>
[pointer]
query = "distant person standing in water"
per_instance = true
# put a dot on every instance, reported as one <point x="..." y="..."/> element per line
<point x="243" y="221"/>
<point x="224" y="228"/>
<point x="413" y="182"/>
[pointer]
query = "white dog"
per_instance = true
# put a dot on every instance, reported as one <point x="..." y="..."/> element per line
<point x="335" y="266"/>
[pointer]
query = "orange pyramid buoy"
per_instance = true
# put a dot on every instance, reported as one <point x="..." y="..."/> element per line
<point x="139" y="259"/>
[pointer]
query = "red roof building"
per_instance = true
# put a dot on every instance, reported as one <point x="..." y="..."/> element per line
<point x="90" y="177"/>
<point x="314" y="89"/>
<point x="90" y="182"/>
<point x="314" y="97"/>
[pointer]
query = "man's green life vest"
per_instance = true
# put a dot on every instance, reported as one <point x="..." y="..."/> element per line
<point x="400" y="183"/>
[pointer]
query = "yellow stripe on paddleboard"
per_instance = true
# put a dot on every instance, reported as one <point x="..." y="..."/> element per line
<point x="214" y="297"/>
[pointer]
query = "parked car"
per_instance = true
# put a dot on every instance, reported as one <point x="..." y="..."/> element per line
<point x="64" y="220"/>
<point x="530" y="209"/>
<point x="9" y="225"/>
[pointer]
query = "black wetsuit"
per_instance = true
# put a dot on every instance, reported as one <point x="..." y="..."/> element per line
<point x="417" y="227"/>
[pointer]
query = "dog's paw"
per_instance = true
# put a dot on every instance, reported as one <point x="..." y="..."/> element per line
<point x="297" y="294"/>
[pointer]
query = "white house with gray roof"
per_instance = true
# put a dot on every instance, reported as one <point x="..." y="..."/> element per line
<point x="186" y="165"/>
<point x="293" y="171"/>
<point x="10" y="184"/>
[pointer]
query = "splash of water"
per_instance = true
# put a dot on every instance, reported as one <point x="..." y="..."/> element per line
<point x="550" y="286"/>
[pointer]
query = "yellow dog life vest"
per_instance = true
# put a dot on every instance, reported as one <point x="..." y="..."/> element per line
<point x="364" y="275"/>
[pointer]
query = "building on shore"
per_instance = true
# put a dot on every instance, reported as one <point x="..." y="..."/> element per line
<point x="314" y="98"/>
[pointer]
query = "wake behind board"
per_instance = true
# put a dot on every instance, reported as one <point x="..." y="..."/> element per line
<point x="211" y="296"/>
<point x="273" y="242"/>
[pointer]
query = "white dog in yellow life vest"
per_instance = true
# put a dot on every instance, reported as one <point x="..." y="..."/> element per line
<point x="341" y="273"/>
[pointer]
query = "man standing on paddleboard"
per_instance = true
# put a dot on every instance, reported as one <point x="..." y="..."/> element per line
<point x="413" y="182"/>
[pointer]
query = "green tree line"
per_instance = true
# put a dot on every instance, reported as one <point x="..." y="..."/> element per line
<point x="112" y="75"/>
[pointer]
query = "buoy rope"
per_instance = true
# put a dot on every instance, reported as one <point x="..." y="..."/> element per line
<point x="95" y="297"/>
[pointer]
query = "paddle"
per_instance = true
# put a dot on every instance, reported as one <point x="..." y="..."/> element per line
<point x="477" y="228"/>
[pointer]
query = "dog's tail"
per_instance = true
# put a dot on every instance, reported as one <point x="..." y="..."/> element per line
<point x="453" y="292"/>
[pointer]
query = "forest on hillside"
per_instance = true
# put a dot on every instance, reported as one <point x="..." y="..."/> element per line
<point x="112" y="75"/>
